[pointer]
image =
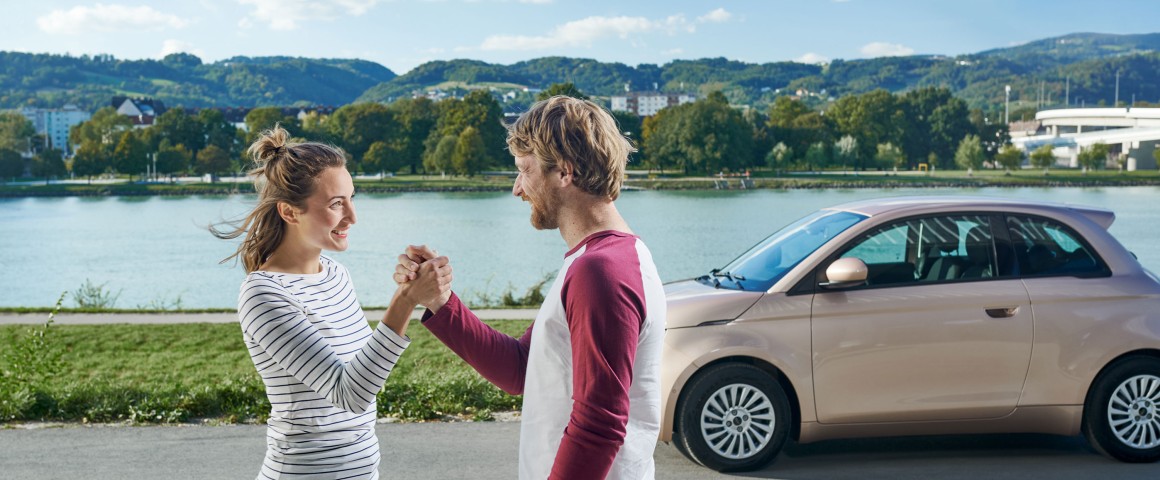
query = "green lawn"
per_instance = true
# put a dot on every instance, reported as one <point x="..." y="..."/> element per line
<point x="173" y="373"/>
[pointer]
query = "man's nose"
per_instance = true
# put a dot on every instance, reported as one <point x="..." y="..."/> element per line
<point x="517" y="188"/>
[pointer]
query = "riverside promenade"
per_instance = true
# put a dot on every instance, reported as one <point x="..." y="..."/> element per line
<point x="228" y="317"/>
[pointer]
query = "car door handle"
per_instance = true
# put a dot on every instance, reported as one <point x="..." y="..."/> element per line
<point x="1004" y="312"/>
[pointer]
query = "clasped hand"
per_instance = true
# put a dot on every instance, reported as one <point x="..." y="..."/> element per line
<point x="424" y="278"/>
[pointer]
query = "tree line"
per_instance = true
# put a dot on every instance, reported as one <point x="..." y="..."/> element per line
<point x="875" y="130"/>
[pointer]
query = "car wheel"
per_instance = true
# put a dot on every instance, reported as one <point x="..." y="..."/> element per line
<point x="734" y="417"/>
<point x="1122" y="415"/>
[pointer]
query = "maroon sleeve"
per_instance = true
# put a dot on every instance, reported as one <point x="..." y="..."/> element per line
<point x="604" y="303"/>
<point x="500" y="358"/>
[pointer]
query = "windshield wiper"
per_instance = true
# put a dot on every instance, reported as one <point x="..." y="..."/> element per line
<point x="717" y="273"/>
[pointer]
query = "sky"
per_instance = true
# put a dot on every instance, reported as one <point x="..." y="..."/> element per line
<point x="402" y="34"/>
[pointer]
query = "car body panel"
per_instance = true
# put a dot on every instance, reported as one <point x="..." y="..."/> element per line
<point x="867" y="341"/>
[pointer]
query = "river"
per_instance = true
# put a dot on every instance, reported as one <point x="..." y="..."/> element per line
<point x="156" y="251"/>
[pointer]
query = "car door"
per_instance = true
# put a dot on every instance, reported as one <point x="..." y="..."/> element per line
<point x="942" y="330"/>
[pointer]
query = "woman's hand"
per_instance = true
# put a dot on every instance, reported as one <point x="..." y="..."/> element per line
<point x="423" y="278"/>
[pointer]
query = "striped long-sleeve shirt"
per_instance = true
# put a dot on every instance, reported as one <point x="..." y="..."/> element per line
<point x="322" y="366"/>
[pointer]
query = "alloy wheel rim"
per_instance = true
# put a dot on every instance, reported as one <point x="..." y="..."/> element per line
<point x="1134" y="412"/>
<point x="737" y="421"/>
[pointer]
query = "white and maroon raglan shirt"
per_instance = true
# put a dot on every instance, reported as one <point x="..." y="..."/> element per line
<point x="589" y="367"/>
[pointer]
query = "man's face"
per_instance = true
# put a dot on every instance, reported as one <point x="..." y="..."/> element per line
<point x="534" y="186"/>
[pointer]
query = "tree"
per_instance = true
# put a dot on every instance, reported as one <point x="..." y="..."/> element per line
<point x="380" y="158"/>
<point x="439" y="160"/>
<point x="264" y="118"/>
<point x="970" y="153"/>
<point x="130" y="157"/>
<point x="477" y="109"/>
<point x="816" y="156"/>
<point x="846" y="151"/>
<point x="180" y="128"/>
<point x="15" y="131"/>
<point x="49" y="163"/>
<point x="704" y="136"/>
<point x="1043" y="157"/>
<point x="565" y="89"/>
<point x="779" y="157"/>
<point x="100" y="128"/>
<point x="1094" y="156"/>
<point x="218" y="131"/>
<point x="361" y="124"/>
<point x="469" y="151"/>
<point x="212" y="160"/>
<point x="11" y="164"/>
<point x="889" y="156"/>
<point x="172" y="159"/>
<point x="91" y="159"/>
<point x="1009" y="157"/>
<point x="417" y="116"/>
<point x="793" y="122"/>
<point x="872" y="118"/>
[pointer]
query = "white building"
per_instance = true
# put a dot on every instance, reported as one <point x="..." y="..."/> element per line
<point x="1131" y="132"/>
<point x="649" y="103"/>
<point x="54" y="124"/>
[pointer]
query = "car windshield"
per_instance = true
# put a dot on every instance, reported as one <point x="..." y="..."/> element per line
<point x="765" y="263"/>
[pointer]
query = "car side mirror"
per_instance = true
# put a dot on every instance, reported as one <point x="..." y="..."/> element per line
<point x="845" y="273"/>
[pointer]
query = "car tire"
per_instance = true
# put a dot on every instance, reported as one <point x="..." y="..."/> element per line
<point x="1122" y="414"/>
<point x="733" y="418"/>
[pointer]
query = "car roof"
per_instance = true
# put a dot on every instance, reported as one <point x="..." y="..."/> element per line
<point x="924" y="204"/>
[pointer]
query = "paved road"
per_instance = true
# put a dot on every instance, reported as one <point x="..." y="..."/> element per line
<point x="485" y="451"/>
<point x="145" y="318"/>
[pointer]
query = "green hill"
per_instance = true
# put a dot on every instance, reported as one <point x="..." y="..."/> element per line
<point x="1081" y="67"/>
<point x="182" y="79"/>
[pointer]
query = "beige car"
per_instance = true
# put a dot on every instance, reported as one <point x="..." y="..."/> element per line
<point x="917" y="316"/>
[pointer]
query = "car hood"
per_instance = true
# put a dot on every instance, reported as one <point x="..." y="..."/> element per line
<point x="691" y="303"/>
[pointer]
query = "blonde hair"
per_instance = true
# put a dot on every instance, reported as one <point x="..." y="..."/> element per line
<point x="578" y="133"/>
<point x="284" y="173"/>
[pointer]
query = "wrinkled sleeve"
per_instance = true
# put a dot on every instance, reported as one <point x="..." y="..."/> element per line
<point x="498" y="357"/>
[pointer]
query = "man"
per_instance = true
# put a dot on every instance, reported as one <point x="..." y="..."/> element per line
<point x="589" y="366"/>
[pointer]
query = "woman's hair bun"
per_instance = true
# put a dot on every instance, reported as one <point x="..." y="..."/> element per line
<point x="271" y="145"/>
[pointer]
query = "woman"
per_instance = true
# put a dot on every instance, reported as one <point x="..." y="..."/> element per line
<point x="305" y="330"/>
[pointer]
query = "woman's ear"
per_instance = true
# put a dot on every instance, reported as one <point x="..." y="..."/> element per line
<point x="288" y="213"/>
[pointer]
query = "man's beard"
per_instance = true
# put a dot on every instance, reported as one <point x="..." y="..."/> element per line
<point x="545" y="209"/>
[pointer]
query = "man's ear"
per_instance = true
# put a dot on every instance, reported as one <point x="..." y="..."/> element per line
<point x="288" y="213"/>
<point x="564" y="171"/>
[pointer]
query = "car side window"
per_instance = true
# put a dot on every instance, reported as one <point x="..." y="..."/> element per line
<point x="928" y="250"/>
<point x="1046" y="247"/>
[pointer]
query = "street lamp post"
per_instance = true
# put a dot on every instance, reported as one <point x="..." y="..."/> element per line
<point x="1007" y="106"/>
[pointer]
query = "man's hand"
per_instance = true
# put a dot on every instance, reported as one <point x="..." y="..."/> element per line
<point x="423" y="277"/>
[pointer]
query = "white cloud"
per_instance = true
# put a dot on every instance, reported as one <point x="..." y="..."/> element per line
<point x="673" y="52"/>
<point x="716" y="16"/>
<point x="177" y="46"/>
<point x="587" y="30"/>
<point x="107" y="18"/>
<point x="541" y="2"/>
<point x="883" y="49"/>
<point x="290" y="14"/>
<point x="812" y="58"/>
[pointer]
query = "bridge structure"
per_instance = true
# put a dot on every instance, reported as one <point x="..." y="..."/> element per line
<point x="1132" y="133"/>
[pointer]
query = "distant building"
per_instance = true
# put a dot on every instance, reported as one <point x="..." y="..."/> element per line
<point x="54" y="124"/>
<point x="648" y="103"/>
<point x="141" y="111"/>
<point x="1132" y="133"/>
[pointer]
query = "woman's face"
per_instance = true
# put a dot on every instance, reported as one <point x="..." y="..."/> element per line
<point x="329" y="211"/>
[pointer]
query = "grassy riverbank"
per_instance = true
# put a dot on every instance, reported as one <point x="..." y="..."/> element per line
<point x="653" y="181"/>
<point x="177" y="373"/>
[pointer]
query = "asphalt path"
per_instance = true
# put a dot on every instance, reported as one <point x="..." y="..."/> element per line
<point x="485" y="451"/>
